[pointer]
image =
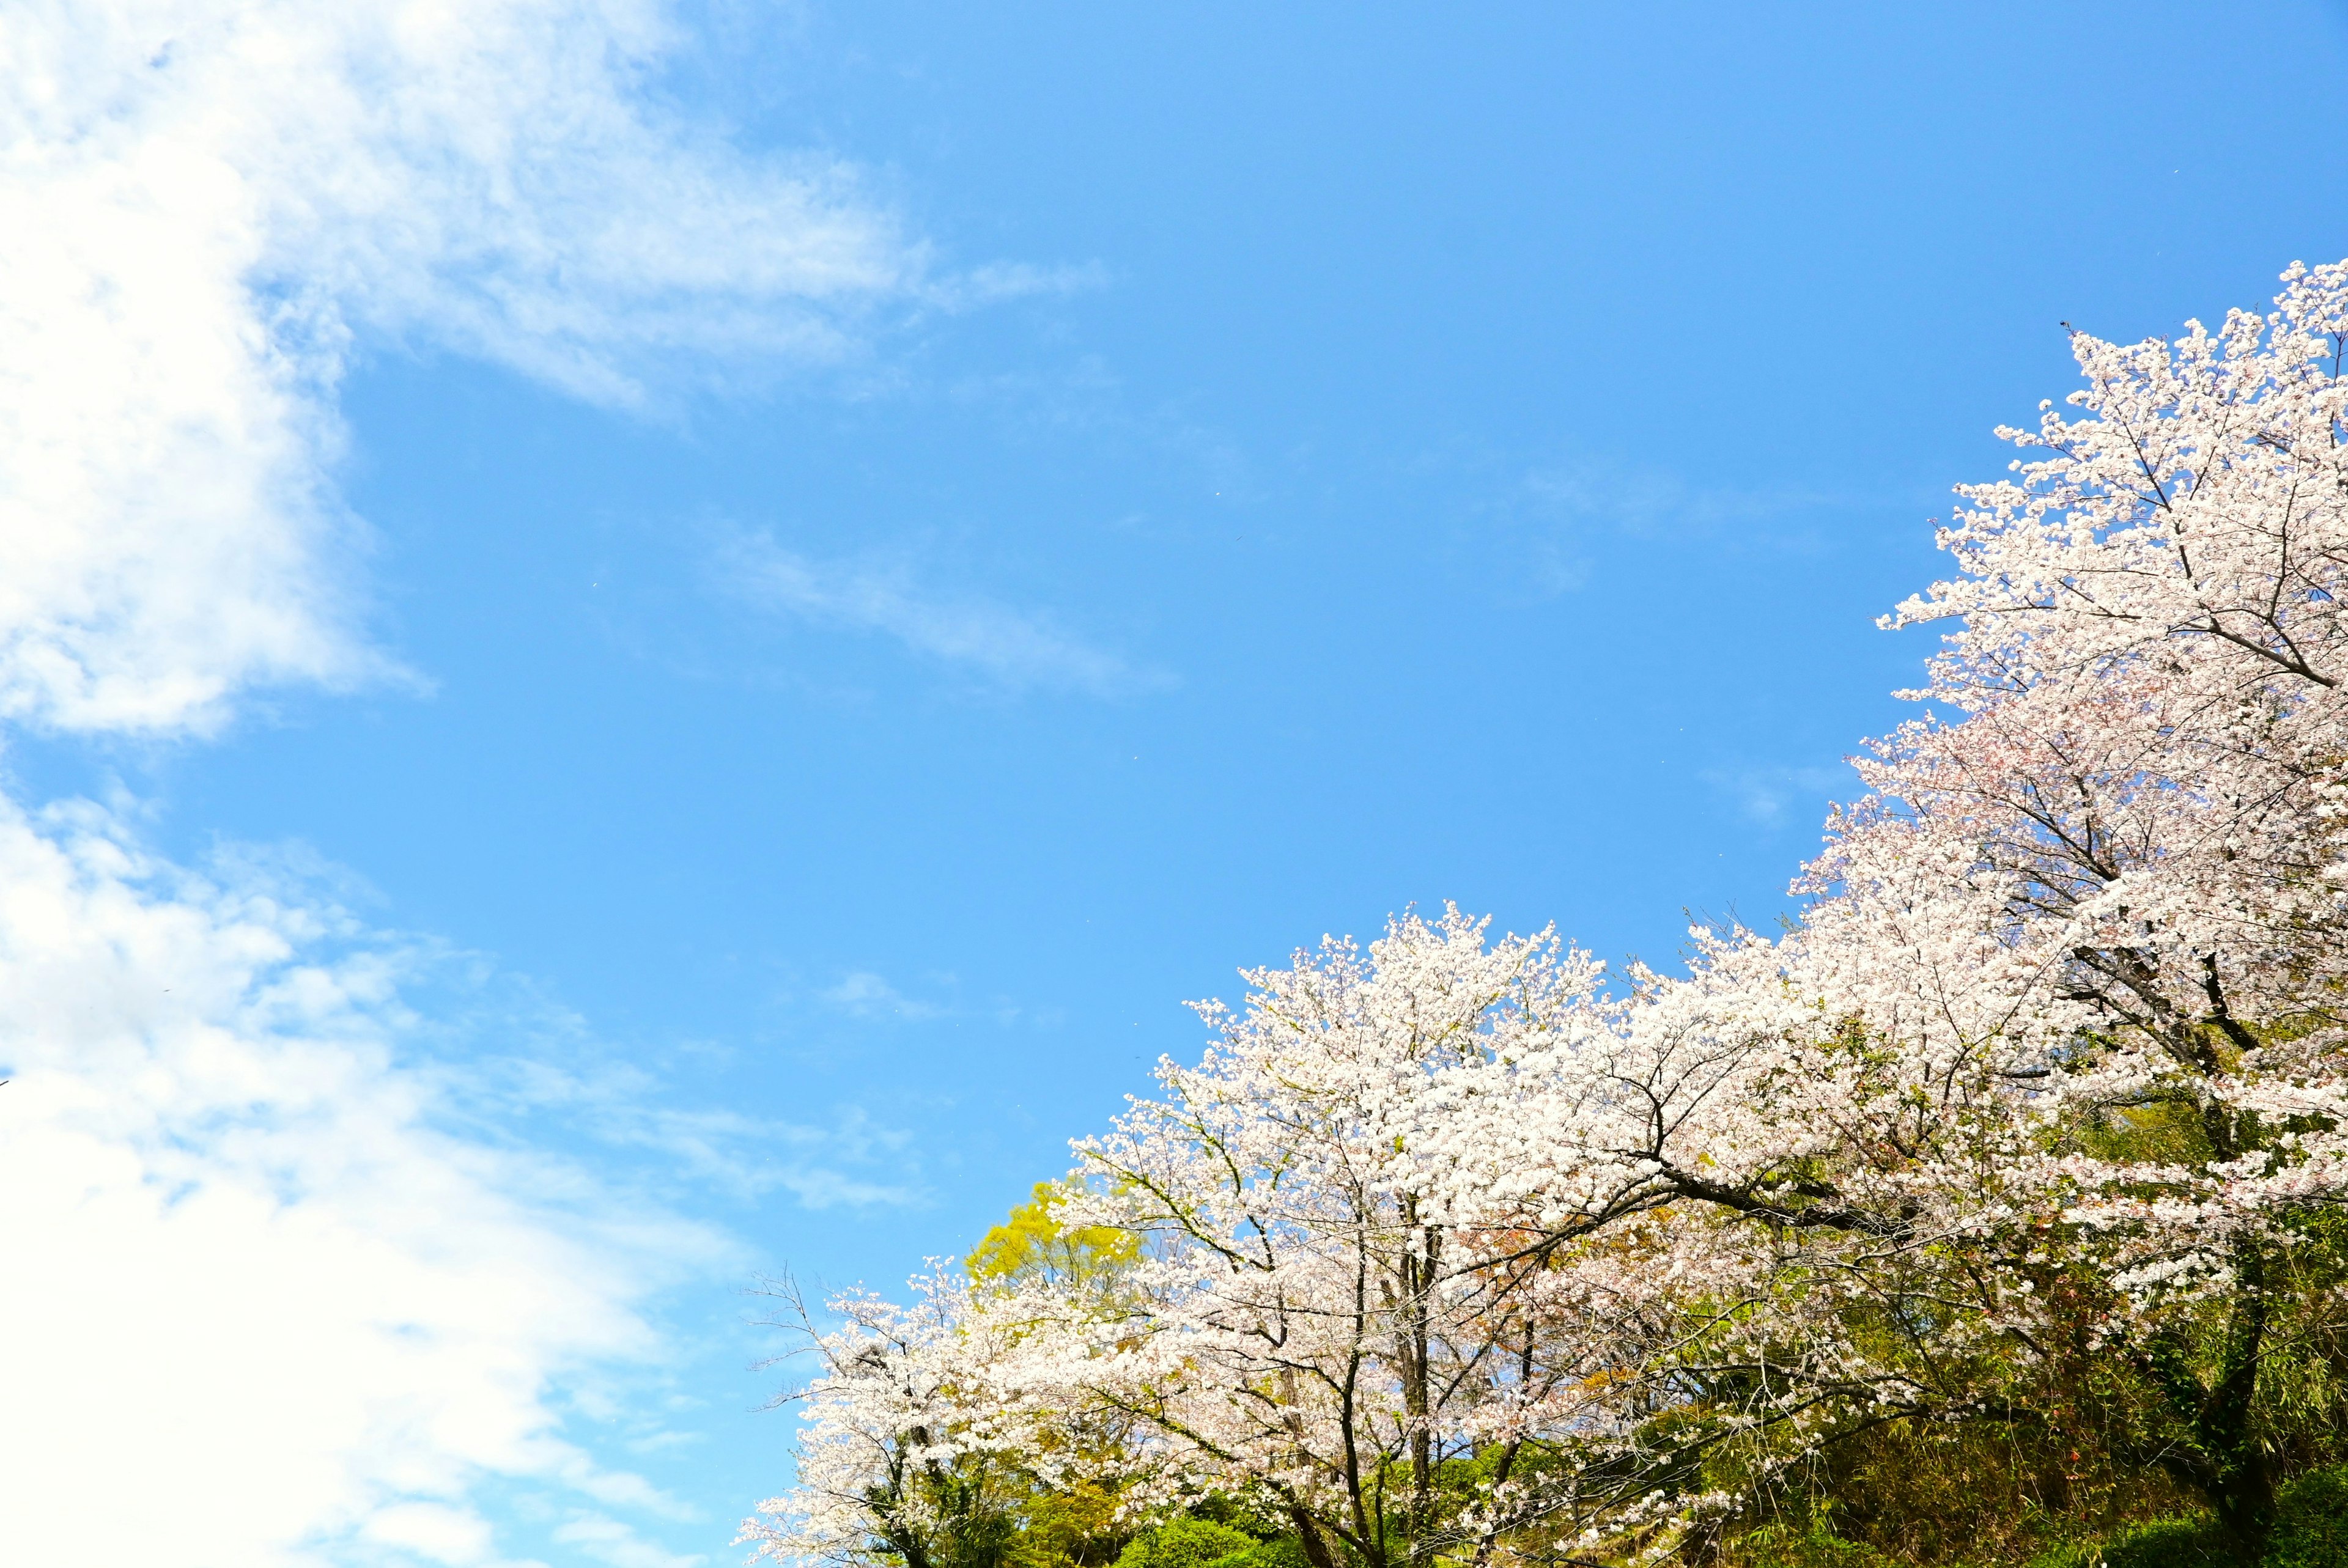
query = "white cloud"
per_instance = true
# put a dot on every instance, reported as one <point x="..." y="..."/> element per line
<point x="204" y="205"/>
<point x="434" y="1532"/>
<point x="1013" y="649"/>
<point x="263" y="1302"/>
<point x="256" y="1303"/>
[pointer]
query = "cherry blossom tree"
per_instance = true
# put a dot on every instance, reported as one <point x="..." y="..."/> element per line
<point x="2064" y="1007"/>
<point x="1453" y="1247"/>
<point x="2117" y="861"/>
<point x="904" y="1458"/>
<point x="925" y="1440"/>
<point x="1311" y="1331"/>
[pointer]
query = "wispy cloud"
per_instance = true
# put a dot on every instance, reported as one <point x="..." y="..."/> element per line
<point x="839" y="1157"/>
<point x="1559" y="515"/>
<point x="205" y="208"/>
<point x="1646" y="501"/>
<point x="1015" y="650"/>
<point x="996" y="280"/>
<point x="1770" y="795"/>
<point x="848" y="1159"/>
<point x="865" y="994"/>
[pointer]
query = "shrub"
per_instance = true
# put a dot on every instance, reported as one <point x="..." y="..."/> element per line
<point x="1186" y="1543"/>
<point x="2188" y="1542"/>
<point x="2192" y="1540"/>
<point x="1818" y="1546"/>
<point x="2311" y="1528"/>
<point x="1287" y="1551"/>
<point x="2069" y="1554"/>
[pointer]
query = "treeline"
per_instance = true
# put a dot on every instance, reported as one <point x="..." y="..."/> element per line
<point x="1996" y="1212"/>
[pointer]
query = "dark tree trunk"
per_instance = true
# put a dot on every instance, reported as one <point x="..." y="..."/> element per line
<point x="1309" y="1536"/>
<point x="2220" y="1454"/>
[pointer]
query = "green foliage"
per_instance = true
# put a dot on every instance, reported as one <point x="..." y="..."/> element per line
<point x="2311" y="1526"/>
<point x="2194" y="1541"/>
<point x="2188" y="1541"/>
<point x="2304" y="1381"/>
<point x="1074" y="1526"/>
<point x="1812" y="1545"/>
<point x="1190" y="1544"/>
<point x="1281" y="1552"/>
<point x="2069" y="1554"/>
<point x="1032" y="1245"/>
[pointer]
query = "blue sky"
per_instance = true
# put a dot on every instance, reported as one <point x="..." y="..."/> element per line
<point x="787" y="734"/>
